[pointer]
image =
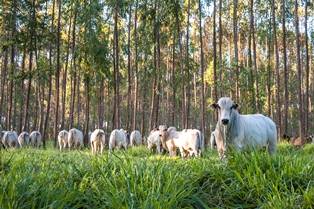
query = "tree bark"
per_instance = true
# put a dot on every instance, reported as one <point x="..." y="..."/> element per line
<point x="57" y="74"/>
<point x="135" y="70"/>
<point x="187" y="70"/>
<point x="251" y="78"/>
<point x="129" y="70"/>
<point x="116" y="69"/>
<point x="215" y="53"/>
<point x="286" y="72"/>
<point x="307" y="72"/>
<point x="202" y="67"/>
<point x="301" y="125"/>
<point x="235" y="43"/>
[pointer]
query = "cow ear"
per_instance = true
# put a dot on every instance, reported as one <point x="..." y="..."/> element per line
<point x="214" y="105"/>
<point x="235" y="106"/>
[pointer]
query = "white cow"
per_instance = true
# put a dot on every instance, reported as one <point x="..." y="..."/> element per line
<point x="118" y="138"/>
<point x="9" y="139"/>
<point x="75" y="138"/>
<point x="199" y="133"/>
<point x="63" y="139"/>
<point x="189" y="142"/>
<point x="242" y="131"/>
<point x="153" y="141"/>
<point x="24" y="139"/>
<point x="212" y="140"/>
<point x="135" y="138"/>
<point x="98" y="141"/>
<point x="35" y="139"/>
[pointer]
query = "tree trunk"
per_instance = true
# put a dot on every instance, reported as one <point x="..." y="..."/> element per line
<point x="301" y="125"/>
<point x="86" y="111"/>
<point x="65" y="75"/>
<point x="276" y="57"/>
<point x="269" y="75"/>
<point x="116" y="69"/>
<point x="3" y="83"/>
<point x="251" y="77"/>
<point x="307" y="71"/>
<point x="74" y="76"/>
<point x="202" y="116"/>
<point x="57" y="74"/>
<point x="50" y="79"/>
<point x="187" y="70"/>
<point x="129" y="70"/>
<point x="235" y="43"/>
<point x="136" y="70"/>
<point x="220" y="47"/>
<point x="215" y="53"/>
<point x="286" y="72"/>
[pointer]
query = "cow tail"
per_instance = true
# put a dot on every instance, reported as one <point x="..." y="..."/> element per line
<point x="199" y="143"/>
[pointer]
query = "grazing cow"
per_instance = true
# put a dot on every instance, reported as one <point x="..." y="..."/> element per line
<point x="118" y="139"/>
<point x="243" y="131"/>
<point x="63" y="139"/>
<point x="1" y="135"/>
<point x="153" y="141"/>
<point x="98" y="140"/>
<point x="213" y="140"/>
<point x="35" y="139"/>
<point x="188" y="141"/>
<point x="296" y="141"/>
<point x="9" y="139"/>
<point x="24" y="139"/>
<point x="75" y="138"/>
<point x="135" y="138"/>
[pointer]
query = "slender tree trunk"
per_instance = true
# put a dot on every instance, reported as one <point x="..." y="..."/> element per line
<point x="50" y="79"/>
<point x="22" y="90"/>
<point x="65" y="75"/>
<point x="215" y="52"/>
<point x="173" y="79"/>
<point x="30" y="67"/>
<point x="286" y="72"/>
<point x="3" y="83"/>
<point x="251" y="78"/>
<point x="269" y="70"/>
<point x="187" y="70"/>
<point x="74" y="76"/>
<point x="129" y="70"/>
<point x="235" y="43"/>
<point x="86" y="111"/>
<point x="276" y="57"/>
<point x="12" y="71"/>
<point x="301" y="125"/>
<point x="202" y="66"/>
<point x="307" y="71"/>
<point x="116" y="69"/>
<point x="57" y="74"/>
<point x="136" y="69"/>
<point x="220" y="47"/>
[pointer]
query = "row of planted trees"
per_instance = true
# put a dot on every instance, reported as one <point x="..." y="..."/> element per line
<point x="138" y="63"/>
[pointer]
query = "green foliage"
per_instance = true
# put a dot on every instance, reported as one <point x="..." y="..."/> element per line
<point x="139" y="179"/>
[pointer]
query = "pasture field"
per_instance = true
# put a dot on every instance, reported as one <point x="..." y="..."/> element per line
<point x="37" y="178"/>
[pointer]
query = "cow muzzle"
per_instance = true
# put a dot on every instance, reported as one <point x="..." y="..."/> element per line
<point x="225" y="121"/>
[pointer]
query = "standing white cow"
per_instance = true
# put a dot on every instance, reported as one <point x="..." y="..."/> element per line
<point x="98" y="141"/>
<point x="75" y="138"/>
<point x="135" y="138"/>
<point x="63" y="139"/>
<point x="242" y="131"/>
<point x="35" y="139"/>
<point x="189" y="142"/>
<point x="212" y="140"/>
<point x="24" y="139"/>
<point x="9" y="139"/>
<point x="118" y="139"/>
<point x="153" y="141"/>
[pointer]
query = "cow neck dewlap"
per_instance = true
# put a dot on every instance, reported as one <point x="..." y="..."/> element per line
<point x="232" y="129"/>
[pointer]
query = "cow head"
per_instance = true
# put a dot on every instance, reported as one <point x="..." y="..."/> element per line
<point x="225" y="107"/>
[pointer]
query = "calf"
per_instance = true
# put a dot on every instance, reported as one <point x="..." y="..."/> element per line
<point x="24" y="139"/>
<point x="118" y="139"/>
<point x="63" y="139"/>
<point x="75" y="138"/>
<point x="135" y="138"/>
<point x="189" y="142"/>
<point x="35" y="139"/>
<point x="98" y="140"/>
<point x="153" y="141"/>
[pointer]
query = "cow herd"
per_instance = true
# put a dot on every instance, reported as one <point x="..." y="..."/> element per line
<point x="232" y="130"/>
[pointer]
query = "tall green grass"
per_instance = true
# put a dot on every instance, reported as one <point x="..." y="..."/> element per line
<point x="31" y="178"/>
